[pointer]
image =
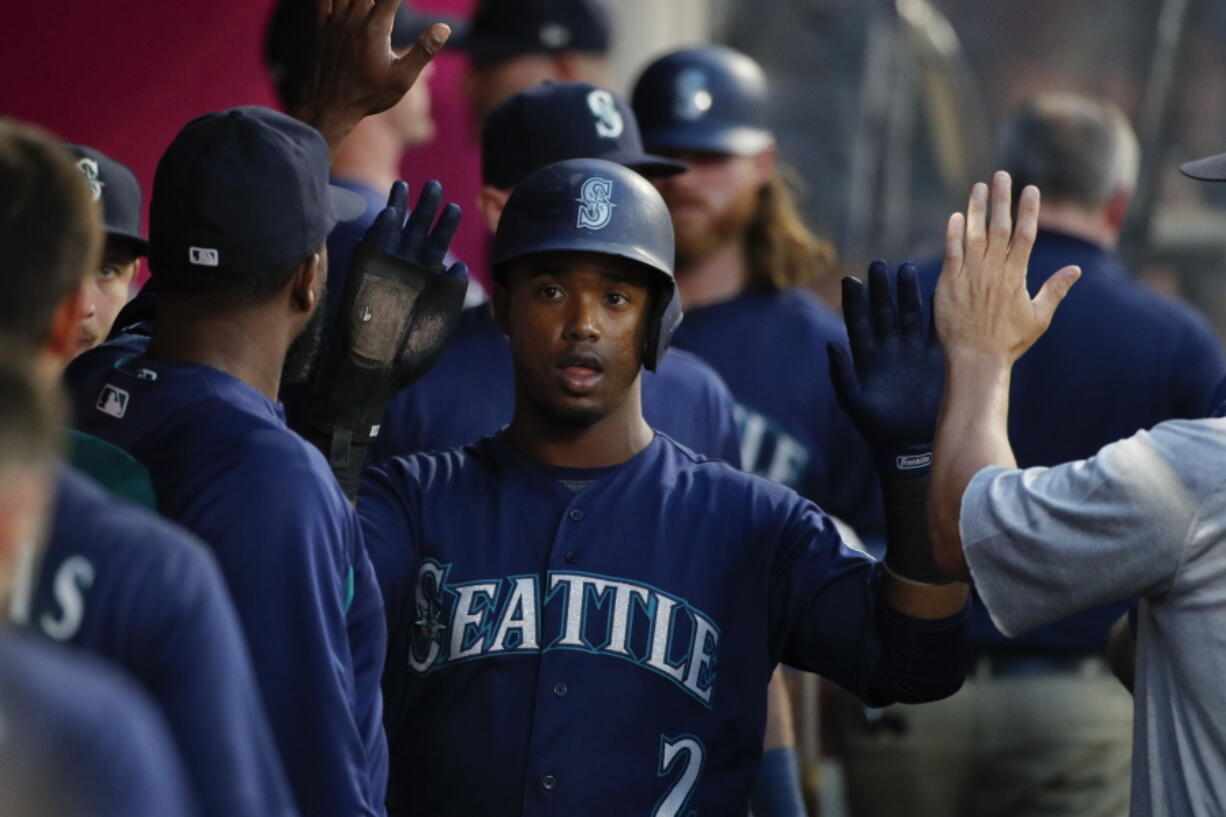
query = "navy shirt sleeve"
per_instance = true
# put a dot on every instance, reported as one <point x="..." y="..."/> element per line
<point x="148" y="596"/>
<point x="828" y="617"/>
<point x="303" y="569"/>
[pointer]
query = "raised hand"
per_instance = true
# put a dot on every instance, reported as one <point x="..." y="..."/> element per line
<point x="982" y="306"/>
<point x="892" y="390"/>
<point x="356" y="72"/>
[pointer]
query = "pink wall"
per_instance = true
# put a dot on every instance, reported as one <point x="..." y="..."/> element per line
<point x="125" y="75"/>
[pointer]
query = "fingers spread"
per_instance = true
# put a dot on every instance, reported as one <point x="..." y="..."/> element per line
<point x="1052" y="293"/>
<point x="855" y="317"/>
<point x="420" y="220"/>
<point x="881" y="299"/>
<point x="410" y="64"/>
<point x="440" y="237"/>
<point x="910" y="304"/>
<point x="1002" y="219"/>
<point x="398" y="196"/>
<point x="1025" y="231"/>
<point x="976" y="225"/>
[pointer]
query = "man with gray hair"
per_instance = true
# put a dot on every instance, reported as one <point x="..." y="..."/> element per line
<point x="1041" y="726"/>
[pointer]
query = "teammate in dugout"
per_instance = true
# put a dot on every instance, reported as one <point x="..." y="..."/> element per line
<point x="584" y="615"/>
<point x="746" y="264"/>
<point x="240" y="211"/>
<point x="683" y="397"/>
<point x="125" y="585"/>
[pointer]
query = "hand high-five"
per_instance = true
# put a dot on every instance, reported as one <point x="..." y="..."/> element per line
<point x="356" y="71"/>
<point x="982" y="306"/>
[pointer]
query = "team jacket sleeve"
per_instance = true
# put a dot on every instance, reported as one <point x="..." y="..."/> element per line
<point x="189" y="652"/>
<point x="293" y="598"/>
<point x="1044" y="543"/>
<point x="385" y="512"/>
<point x="828" y="617"/>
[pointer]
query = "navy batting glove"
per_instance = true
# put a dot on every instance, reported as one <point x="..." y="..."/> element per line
<point x="892" y="391"/>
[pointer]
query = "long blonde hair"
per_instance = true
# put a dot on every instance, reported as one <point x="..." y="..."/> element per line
<point x="782" y="251"/>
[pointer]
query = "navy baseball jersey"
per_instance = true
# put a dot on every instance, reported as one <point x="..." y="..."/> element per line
<point x="599" y="641"/>
<point x="77" y="740"/>
<point x="225" y="466"/>
<point x="470" y="393"/>
<point x="1118" y="357"/>
<point x="135" y="589"/>
<point x="770" y="348"/>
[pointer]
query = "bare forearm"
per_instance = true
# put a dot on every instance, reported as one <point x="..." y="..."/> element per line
<point x="972" y="434"/>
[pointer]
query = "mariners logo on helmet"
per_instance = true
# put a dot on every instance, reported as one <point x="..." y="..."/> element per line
<point x="693" y="99"/>
<point x="596" y="196"/>
<point x="89" y="169"/>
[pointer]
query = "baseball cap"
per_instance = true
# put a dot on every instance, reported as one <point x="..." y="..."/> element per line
<point x="289" y="41"/>
<point x="1208" y="169"/>
<point x="554" y="121"/>
<point x="711" y="98"/>
<point x="115" y="188"/>
<point x="243" y="190"/>
<point x="501" y="29"/>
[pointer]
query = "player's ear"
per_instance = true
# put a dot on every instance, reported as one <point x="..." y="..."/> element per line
<point x="306" y="287"/>
<point x="490" y="202"/>
<point x="500" y="299"/>
<point x="66" y="323"/>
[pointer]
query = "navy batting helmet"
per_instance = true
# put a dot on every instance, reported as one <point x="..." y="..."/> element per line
<point x="593" y="205"/>
<point x="712" y="98"/>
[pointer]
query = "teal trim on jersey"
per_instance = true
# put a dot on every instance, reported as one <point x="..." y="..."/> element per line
<point x="348" y="589"/>
<point x="111" y="467"/>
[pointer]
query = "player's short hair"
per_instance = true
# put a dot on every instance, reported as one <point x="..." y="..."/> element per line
<point x="258" y="286"/>
<point x="782" y="251"/>
<point x="31" y="412"/>
<point x="50" y="230"/>
<point x="1075" y="149"/>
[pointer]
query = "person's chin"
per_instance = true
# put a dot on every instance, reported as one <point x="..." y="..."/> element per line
<point x="85" y="343"/>
<point x="577" y="413"/>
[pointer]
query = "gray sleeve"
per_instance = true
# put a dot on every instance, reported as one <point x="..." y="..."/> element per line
<point x="1044" y="543"/>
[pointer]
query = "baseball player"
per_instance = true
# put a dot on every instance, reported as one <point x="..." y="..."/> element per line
<point x="744" y="260"/>
<point x="115" y="580"/>
<point x="114" y="186"/>
<point x="1141" y="518"/>
<point x="683" y="397"/>
<point x="584" y="615"/>
<point x="76" y="738"/>
<point x="240" y="211"/>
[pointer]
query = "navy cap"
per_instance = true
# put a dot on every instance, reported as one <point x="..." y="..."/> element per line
<point x="290" y="40"/>
<point x="502" y="29"/>
<point x="712" y="98"/>
<point x="554" y="121"/>
<point x="243" y="190"/>
<point x="1208" y="169"/>
<point x="115" y="188"/>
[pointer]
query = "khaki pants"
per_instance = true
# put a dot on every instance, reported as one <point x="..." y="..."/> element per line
<point x="1041" y="745"/>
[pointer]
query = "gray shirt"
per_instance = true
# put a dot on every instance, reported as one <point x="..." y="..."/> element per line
<point x="1145" y="517"/>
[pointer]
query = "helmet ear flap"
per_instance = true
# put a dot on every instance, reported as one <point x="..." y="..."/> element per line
<point x="664" y="318"/>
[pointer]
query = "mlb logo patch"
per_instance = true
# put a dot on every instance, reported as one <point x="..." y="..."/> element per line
<point x="202" y="256"/>
<point x="112" y="401"/>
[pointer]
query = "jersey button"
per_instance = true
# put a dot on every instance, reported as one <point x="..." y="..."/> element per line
<point x="549" y="782"/>
<point x="572" y="557"/>
<point x="560" y="689"/>
<point x="576" y="514"/>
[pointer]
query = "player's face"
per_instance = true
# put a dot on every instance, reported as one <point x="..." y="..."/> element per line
<point x="485" y="86"/>
<point x="106" y="291"/>
<point x="712" y="203"/>
<point x="576" y="322"/>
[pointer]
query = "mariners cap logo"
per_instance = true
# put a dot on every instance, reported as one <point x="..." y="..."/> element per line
<point x="89" y="169"/>
<point x="596" y="198"/>
<point x="691" y="99"/>
<point x="609" y="123"/>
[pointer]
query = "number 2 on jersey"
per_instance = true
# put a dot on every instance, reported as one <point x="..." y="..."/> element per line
<point x="686" y="752"/>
